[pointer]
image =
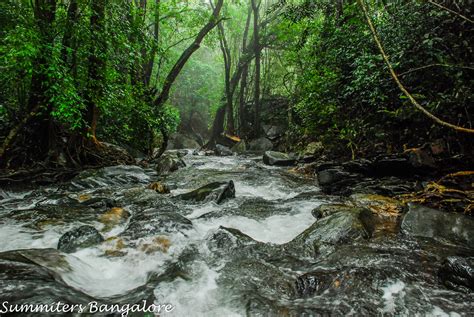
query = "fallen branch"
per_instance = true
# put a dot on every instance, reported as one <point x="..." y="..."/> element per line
<point x="397" y="80"/>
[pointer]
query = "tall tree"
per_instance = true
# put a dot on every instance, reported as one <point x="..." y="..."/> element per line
<point x="96" y="70"/>
<point x="38" y="106"/>
<point x="256" y="39"/>
<point x="159" y="102"/>
<point x="243" y="82"/>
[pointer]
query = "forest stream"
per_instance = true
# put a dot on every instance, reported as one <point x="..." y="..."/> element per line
<point x="260" y="253"/>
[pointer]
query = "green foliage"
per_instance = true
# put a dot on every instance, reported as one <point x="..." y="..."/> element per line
<point x="343" y="90"/>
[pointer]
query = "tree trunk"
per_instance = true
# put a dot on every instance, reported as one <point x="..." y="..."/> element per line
<point x="256" y="39"/>
<point x="148" y="69"/>
<point x="96" y="66"/>
<point x="178" y="66"/>
<point x="38" y="110"/>
<point x="69" y="43"/>
<point x="243" y="81"/>
<point x="227" y="69"/>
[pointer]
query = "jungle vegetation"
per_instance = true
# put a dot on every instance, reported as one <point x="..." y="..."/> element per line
<point x="359" y="76"/>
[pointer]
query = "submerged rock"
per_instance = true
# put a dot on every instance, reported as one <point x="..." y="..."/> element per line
<point x="217" y="191"/>
<point x="113" y="217"/>
<point x="448" y="227"/>
<point x="79" y="238"/>
<point x="155" y="222"/>
<point x="110" y="175"/>
<point x="458" y="273"/>
<point x="278" y="159"/>
<point x="159" y="187"/>
<point x="224" y="240"/>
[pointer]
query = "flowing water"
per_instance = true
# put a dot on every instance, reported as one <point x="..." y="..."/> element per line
<point x="188" y="255"/>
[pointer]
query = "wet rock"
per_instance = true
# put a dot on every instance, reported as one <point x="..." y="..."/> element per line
<point x="111" y="175"/>
<point x="239" y="147"/>
<point x="360" y="176"/>
<point x="34" y="277"/>
<point x="181" y="141"/>
<point x="156" y="244"/>
<point x="44" y="215"/>
<point x="253" y="277"/>
<point x="421" y="158"/>
<point x="391" y="165"/>
<point x="325" y="210"/>
<point x="316" y="282"/>
<point x="337" y="181"/>
<point x="155" y="222"/>
<point x="168" y="163"/>
<point x="458" y="273"/>
<point x="224" y="240"/>
<point x="222" y="150"/>
<point x="378" y="204"/>
<point x="217" y="191"/>
<point x="159" y="187"/>
<point x="278" y="159"/>
<point x="339" y="228"/>
<point x="113" y="217"/>
<point x="114" y="247"/>
<point x="273" y="132"/>
<point x="178" y="153"/>
<point x="451" y="228"/>
<point x="97" y="202"/>
<point x="79" y="238"/>
<point x="260" y="145"/>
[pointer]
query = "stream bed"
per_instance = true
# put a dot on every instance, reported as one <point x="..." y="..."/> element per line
<point x="261" y="253"/>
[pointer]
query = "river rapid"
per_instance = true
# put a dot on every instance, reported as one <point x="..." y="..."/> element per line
<point x="261" y="253"/>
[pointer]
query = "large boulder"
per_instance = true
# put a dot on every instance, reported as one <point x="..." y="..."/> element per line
<point x="261" y="145"/>
<point x="34" y="277"/>
<point x="341" y="227"/>
<point x="239" y="147"/>
<point x="273" y="131"/>
<point x="278" y="159"/>
<point x="222" y="150"/>
<point x="216" y="191"/>
<point x="79" y="238"/>
<point x="181" y="141"/>
<point x="452" y="228"/>
<point x="169" y="162"/>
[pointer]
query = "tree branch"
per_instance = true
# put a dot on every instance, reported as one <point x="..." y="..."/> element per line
<point x="434" y="65"/>
<point x="178" y="66"/>
<point x="451" y="11"/>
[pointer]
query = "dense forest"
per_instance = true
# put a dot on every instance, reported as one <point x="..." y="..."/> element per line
<point x="76" y="73"/>
<point x="241" y="114"/>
